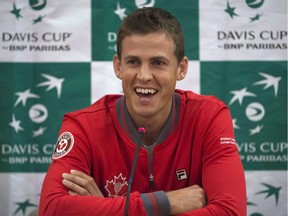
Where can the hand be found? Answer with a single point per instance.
(79, 183)
(186, 199)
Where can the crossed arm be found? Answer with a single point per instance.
(181, 201)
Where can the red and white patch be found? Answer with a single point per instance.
(64, 145)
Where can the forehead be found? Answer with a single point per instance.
(148, 43)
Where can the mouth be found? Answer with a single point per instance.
(145, 92)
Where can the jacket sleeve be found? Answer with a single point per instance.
(55, 200)
(75, 153)
(223, 178)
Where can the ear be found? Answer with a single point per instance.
(116, 66)
(182, 69)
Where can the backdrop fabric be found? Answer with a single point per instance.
(56, 57)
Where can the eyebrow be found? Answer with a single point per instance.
(160, 57)
(131, 57)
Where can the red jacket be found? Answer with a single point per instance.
(196, 146)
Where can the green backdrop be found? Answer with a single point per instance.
(55, 57)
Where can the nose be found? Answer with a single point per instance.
(145, 73)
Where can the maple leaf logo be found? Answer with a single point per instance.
(117, 186)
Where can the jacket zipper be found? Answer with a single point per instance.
(150, 161)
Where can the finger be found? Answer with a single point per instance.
(76, 179)
(88, 182)
(82, 180)
(74, 182)
(79, 173)
(72, 193)
(75, 188)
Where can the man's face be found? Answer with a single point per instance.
(149, 70)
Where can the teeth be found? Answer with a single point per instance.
(145, 91)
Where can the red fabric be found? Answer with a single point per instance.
(103, 151)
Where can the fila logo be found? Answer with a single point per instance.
(181, 174)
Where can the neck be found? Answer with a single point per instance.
(152, 133)
(153, 126)
(157, 126)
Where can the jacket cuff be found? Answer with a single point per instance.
(156, 203)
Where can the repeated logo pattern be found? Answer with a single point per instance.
(38, 113)
(252, 4)
(251, 102)
(35, 6)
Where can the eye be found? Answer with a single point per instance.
(158, 63)
(132, 62)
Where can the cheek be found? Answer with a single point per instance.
(127, 76)
(168, 79)
(170, 83)
(127, 79)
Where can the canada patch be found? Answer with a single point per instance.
(117, 187)
(63, 146)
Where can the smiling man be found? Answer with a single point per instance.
(149, 70)
(186, 163)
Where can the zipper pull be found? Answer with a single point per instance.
(151, 178)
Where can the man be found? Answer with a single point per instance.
(188, 162)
